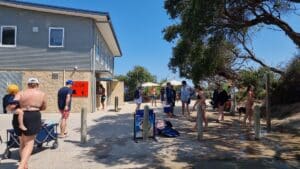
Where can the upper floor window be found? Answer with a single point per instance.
(56, 37)
(8, 36)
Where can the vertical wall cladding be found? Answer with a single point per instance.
(32, 49)
(7, 78)
(51, 86)
(104, 57)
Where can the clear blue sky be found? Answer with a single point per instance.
(139, 23)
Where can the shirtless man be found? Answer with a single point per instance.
(31, 101)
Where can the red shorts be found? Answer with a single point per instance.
(64, 114)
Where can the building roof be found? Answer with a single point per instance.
(102, 19)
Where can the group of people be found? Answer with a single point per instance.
(26, 106)
(220, 100)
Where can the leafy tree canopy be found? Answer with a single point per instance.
(212, 35)
(136, 77)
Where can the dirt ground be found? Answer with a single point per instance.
(225, 145)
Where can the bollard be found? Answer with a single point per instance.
(199, 122)
(146, 123)
(83, 130)
(116, 104)
(257, 122)
(268, 110)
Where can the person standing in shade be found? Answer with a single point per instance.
(102, 95)
(162, 95)
(201, 102)
(170, 101)
(222, 98)
(138, 97)
(153, 96)
(249, 105)
(174, 94)
(185, 94)
(64, 96)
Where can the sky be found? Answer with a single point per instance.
(139, 23)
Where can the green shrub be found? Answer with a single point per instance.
(287, 90)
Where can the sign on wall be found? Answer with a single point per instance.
(80, 89)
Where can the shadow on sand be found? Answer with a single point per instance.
(225, 145)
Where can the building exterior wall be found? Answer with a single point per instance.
(117, 90)
(51, 87)
(83, 44)
(104, 58)
(32, 51)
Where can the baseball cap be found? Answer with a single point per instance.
(69, 82)
(33, 80)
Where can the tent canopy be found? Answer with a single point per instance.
(149, 84)
(173, 82)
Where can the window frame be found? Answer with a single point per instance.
(63, 37)
(15, 29)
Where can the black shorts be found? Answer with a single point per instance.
(103, 98)
(32, 121)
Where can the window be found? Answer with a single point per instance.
(8, 36)
(56, 37)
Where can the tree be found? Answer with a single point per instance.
(287, 89)
(213, 35)
(136, 77)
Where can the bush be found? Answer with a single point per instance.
(287, 90)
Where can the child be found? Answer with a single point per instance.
(12, 90)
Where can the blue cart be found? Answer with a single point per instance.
(47, 134)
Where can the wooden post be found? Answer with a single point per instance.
(146, 123)
(257, 122)
(116, 104)
(83, 130)
(233, 101)
(199, 122)
(268, 110)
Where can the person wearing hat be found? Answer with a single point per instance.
(9, 100)
(12, 90)
(64, 98)
(31, 101)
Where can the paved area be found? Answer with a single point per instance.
(226, 145)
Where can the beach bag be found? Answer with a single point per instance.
(168, 131)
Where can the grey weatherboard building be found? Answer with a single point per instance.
(57, 41)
